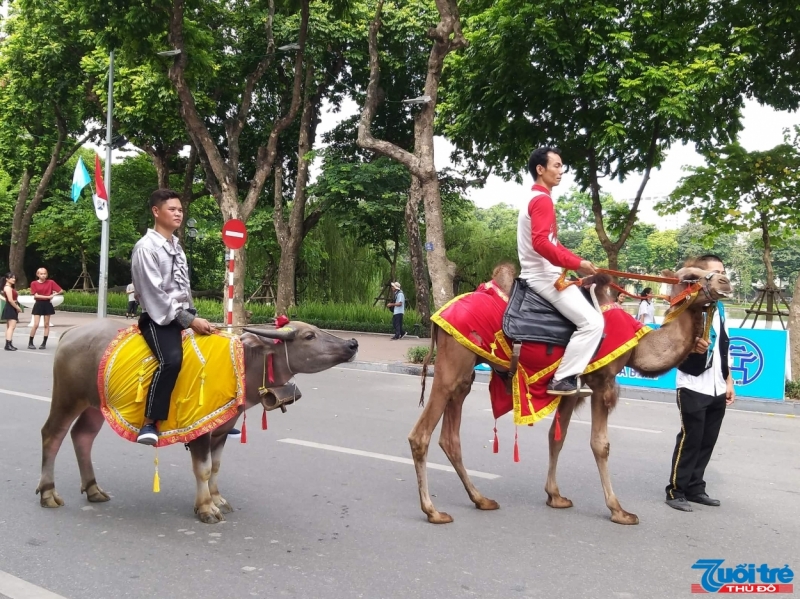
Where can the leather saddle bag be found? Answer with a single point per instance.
(530, 317)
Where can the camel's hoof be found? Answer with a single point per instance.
(558, 502)
(624, 517)
(210, 515)
(95, 494)
(440, 518)
(487, 504)
(51, 499)
(223, 505)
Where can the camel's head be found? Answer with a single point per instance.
(712, 285)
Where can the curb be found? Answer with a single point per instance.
(789, 408)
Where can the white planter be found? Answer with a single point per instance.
(28, 301)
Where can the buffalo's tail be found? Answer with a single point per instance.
(427, 361)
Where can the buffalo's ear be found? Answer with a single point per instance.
(286, 333)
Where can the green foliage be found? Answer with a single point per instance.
(417, 353)
(793, 389)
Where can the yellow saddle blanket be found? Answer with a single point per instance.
(209, 390)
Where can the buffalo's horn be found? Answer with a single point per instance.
(286, 333)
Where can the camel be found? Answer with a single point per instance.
(656, 353)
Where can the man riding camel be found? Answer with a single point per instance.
(542, 259)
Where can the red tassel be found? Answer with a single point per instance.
(516, 446)
(557, 433)
(264, 420)
(270, 374)
(244, 428)
(496, 446)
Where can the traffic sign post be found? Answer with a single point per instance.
(234, 236)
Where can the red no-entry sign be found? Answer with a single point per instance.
(234, 234)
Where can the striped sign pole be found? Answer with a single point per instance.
(234, 236)
(229, 316)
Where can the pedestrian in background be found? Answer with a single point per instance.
(647, 311)
(12, 308)
(133, 305)
(398, 309)
(43, 291)
(705, 390)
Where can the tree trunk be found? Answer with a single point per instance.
(16, 254)
(416, 254)
(613, 257)
(770, 282)
(287, 267)
(84, 271)
(441, 269)
(794, 331)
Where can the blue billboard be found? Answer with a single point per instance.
(758, 365)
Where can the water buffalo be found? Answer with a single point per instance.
(305, 349)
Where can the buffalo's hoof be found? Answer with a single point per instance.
(50, 498)
(558, 502)
(440, 518)
(222, 504)
(95, 494)
(487, 504)
(623, 517)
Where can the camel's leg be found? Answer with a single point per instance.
(217, 445)
(204, 507)
(601, 448)
(565, 409)
(83, 433)
(53, 433)
(450, 442)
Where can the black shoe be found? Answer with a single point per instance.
(10, 347)
(394, 339)
(234, 432)
(680, 504)
(703, 499)
(43, 346)
(566, 386)
(403, 335)
(148, 435)
(31, 345)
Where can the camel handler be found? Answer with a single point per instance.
(542, 258)
(161, 277)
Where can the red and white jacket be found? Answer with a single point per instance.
(541, 256)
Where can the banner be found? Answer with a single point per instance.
(758, 365)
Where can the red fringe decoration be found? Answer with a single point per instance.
(496, 446)
(557, 433)
(244, 428)
(270, 374)
(264, 420)
(516, 446)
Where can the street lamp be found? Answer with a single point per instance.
(169, 52)
(420, 100)
(191, 231)
(289, 47)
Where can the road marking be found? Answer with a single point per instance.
(383, 456)
(16, 588)
(28, 395)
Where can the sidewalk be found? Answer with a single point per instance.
(379, 353)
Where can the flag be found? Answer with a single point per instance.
(80, 179)
(100, 196)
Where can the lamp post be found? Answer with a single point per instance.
(191, 231)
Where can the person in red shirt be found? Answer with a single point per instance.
(43, 290)
(542, 259)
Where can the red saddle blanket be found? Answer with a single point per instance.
(475, 321)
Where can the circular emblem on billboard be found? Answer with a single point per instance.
(747, 360)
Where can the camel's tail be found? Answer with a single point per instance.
(426, 362)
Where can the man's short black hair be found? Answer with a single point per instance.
(539, 157)
(159, 196)
(706, 258)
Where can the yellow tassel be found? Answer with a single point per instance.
(140, 388)
(202, 385)
(156, 481)
(493, 346)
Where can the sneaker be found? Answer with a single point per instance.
(394, 338)
(148, 435)
(680, 504)
(234, 432)
(403, 335)
(566, 386)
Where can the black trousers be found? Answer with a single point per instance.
(701, 419)
(166, 345)
(397, 323)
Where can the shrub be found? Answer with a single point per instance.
(793, 389)
(417, 353)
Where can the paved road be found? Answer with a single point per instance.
(311, 522)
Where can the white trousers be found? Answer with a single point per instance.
(585, 340)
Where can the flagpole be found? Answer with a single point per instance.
(102, 292)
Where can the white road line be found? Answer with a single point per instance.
(16, 588)
(383, 456)
(28, 395)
